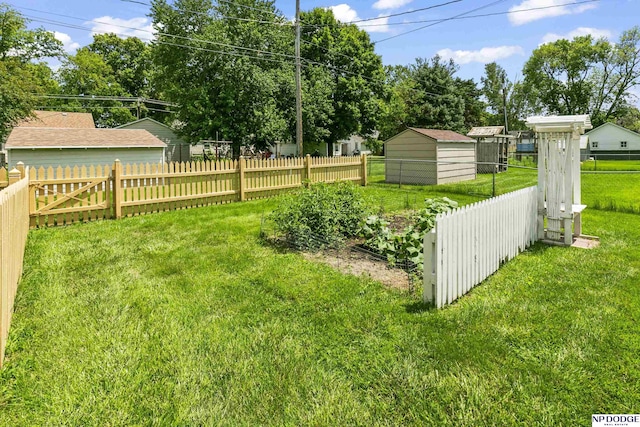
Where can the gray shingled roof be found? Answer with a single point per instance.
(80, 138)
(443, 135)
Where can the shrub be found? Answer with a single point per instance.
(320, 214)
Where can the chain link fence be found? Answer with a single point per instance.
(611, 183)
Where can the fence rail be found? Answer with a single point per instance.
(468, 245)
(14, 226)
(80, 194)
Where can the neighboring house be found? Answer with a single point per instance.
(177, 149)
(610, 141)
(429, 156)
(58, 119)
(585, 148)
(492, 147)
(354, 145)
(46, 147)
(53, 119)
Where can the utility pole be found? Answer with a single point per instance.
(504, 104)
(298, 85)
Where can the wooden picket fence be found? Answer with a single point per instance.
(14, 226)
(80, 194)
(469, 244)
(4, 177)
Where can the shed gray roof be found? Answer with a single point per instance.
(441, 135)
(81, 138)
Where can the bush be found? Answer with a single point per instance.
(320, 214)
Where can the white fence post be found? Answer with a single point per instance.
(430, 267)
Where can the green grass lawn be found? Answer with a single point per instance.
(185, 318)
(604, 190)
(611, 165)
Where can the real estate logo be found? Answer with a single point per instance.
(615, 420)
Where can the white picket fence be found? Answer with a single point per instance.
(468, 244)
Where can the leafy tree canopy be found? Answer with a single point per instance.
(20, 77)
(584, 76)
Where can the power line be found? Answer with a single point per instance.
(108, 98)
(199, 12)
(307, 61)
(248, 7)
(95, 107)
(159, 42)
(440, 21)
(44, 20)
(484, 15)
(408, 12)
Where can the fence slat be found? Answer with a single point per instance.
(470, 243)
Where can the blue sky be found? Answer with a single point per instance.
(507, 39)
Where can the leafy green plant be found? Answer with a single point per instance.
(406, 245)
(320, 214)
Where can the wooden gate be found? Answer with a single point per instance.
(64, 196)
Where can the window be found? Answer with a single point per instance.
(594, 144)
(623, 144)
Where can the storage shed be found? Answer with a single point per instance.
(429, 156)
(46, 147)
(177, 149)
(492, 148)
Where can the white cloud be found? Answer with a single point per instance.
(521, 18)
(68, 45)
(344, 13)
(136, 27)
(390, 4)
(581, 31)
(484, 55)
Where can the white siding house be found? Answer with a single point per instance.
(46, 147)
(177, 149)
(615, 142)
(429, 156)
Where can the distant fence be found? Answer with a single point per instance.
(14, 226)
(468, 245)
(80, 194)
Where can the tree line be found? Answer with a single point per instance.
(228, 68)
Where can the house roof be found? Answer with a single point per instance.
(59, 119)
(486, 131)
(614, 125)
(584, 142)
(144, 119)
(81, 138)
(443, 135)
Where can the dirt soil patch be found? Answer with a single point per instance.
(350, 261)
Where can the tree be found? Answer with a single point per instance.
(427, 94)
(501, 94)
(235, 92)
(20, 77)
(129, 59)
(342, 59)
(584, 76)
(87, 73)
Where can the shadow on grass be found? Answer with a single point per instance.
(419, 307)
